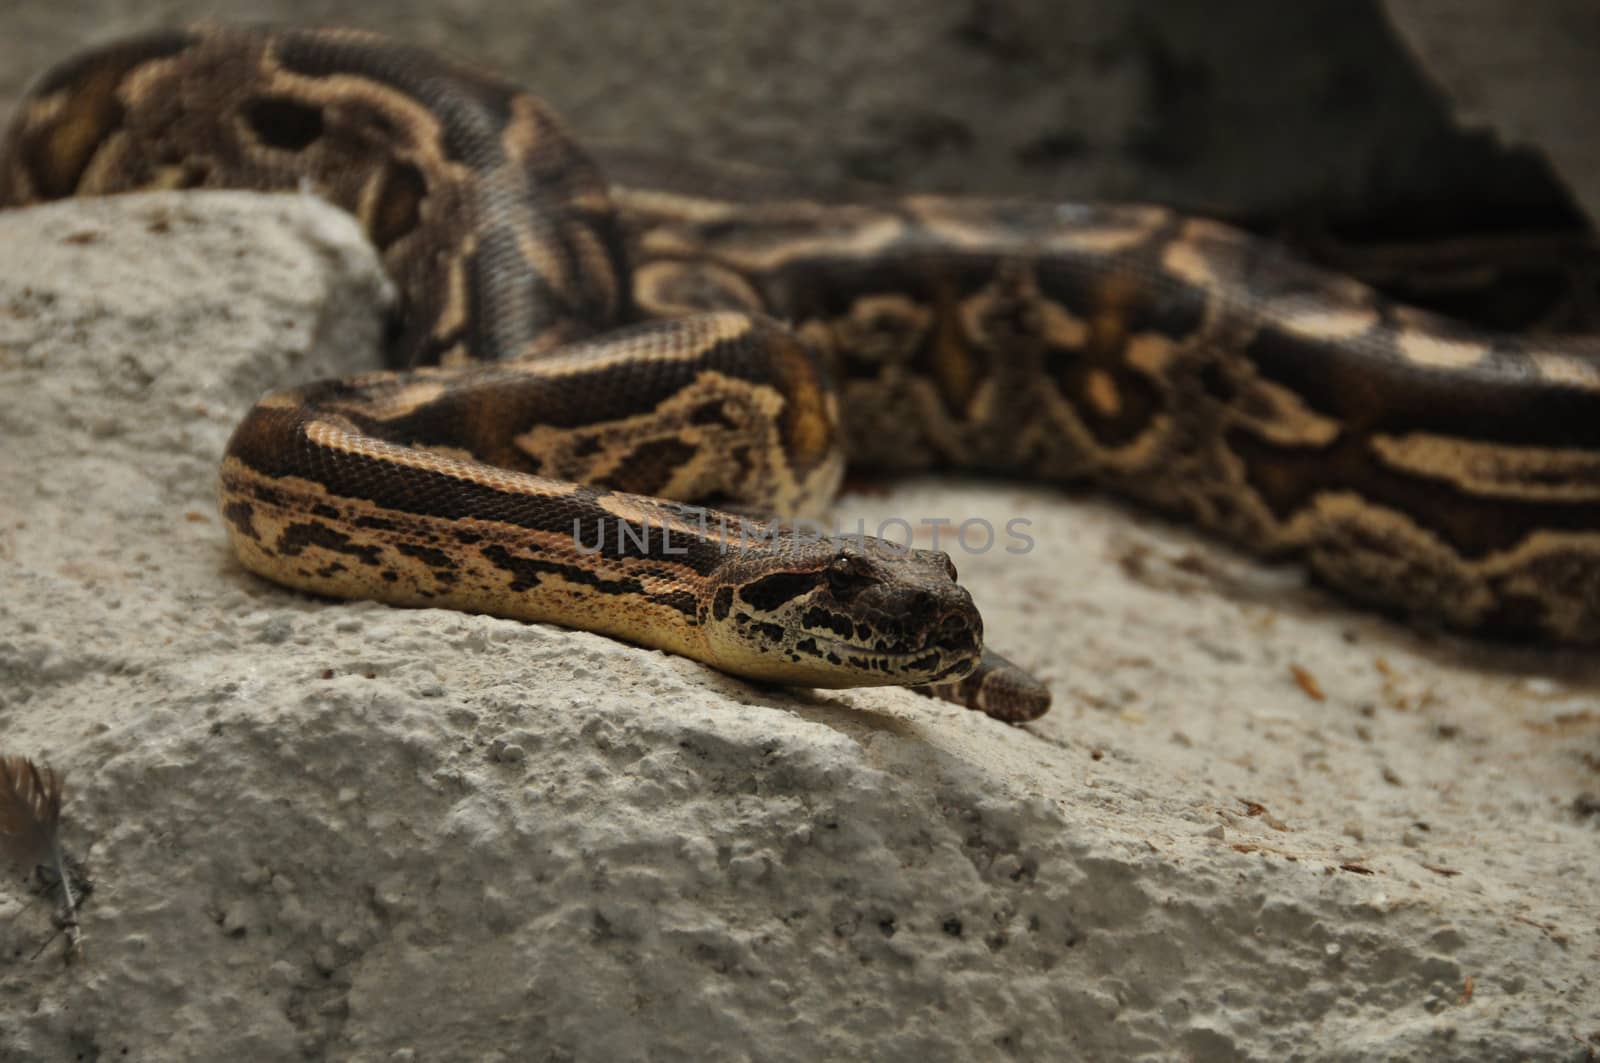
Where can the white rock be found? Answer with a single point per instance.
(527, 841)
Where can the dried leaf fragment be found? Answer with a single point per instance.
(1307, 683)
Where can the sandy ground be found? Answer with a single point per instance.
(1257, 823)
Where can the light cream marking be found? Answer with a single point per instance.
(560, 448)
(546, 262)
(640, 509)
(531, 127)
(1436, 352)
(480, 586)
(1089, 230)
(653, 283)
(1569, 606)
(1328, 322)
(1207, 231)
(1184, 259)
(670, 241)
(1059, 326)
(1288, 421)
(1462, 591)
(410, 393)
(326, 432)
(844, 232)
(770, 481)
(596, 268)
(41, 111)
(1072, 449)
(1337, 528)
(1496, 470)
(453, 310)
(1561, 367)
(1205, 254)
(1014, 285)
(674, 205)
(106, 171)
(1101, 390)
(1151, 352)
(882, 328)
(595, 202)
(698, 333)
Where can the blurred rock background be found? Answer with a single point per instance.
(1443, 148)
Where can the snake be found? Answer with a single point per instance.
(619, 382)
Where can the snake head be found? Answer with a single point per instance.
(842, 613)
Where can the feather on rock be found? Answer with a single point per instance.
(30, 812)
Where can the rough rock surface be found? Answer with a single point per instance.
(1256, 824)
(1532, 80)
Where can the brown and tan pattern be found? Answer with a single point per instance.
(586, 354)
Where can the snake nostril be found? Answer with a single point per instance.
(955, 627)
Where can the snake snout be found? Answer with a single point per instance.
(956, 626)
(961, 629)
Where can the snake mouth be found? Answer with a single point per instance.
(951, 649)
(929, 665)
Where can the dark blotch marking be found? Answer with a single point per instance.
(770, 632)
(389, 575)
(274, 443)
(769, 592)
(239, 514)
(683, 601)
(1369, 388)
(398, 209)
(322, 509)
(711, 413)
(1120, 306)
(650, 466)
(1288, 478)
(57, 154)
(817, 617)
(722, 604)
(375, 523)
(267, 496)
(296, 537)
(428, 555)
(282, 123)
(526, 573)
(472, 108)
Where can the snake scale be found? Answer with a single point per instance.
(586, 354)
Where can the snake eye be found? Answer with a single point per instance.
(847, 570)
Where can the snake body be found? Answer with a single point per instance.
(588, 353)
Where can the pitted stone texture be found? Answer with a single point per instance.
(336, 830)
